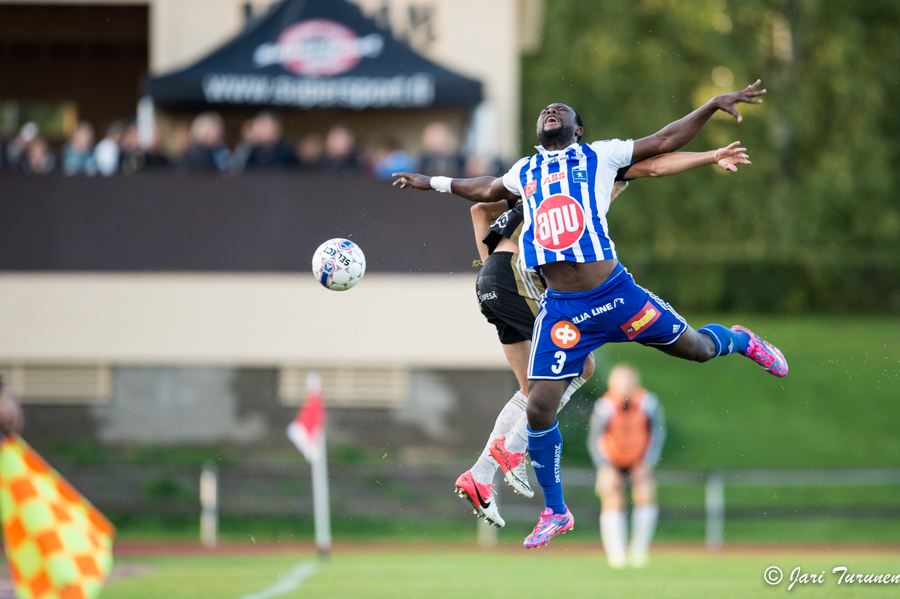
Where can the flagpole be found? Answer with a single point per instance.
(321, 508)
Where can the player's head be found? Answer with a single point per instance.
(558, 124)
(623, 380)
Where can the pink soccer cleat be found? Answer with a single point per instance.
(548, 527)
(513, 467)
(764, 353)
(481, 497)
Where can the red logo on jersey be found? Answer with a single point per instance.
(558, 223)
(530, 189)
(565, 334)
(641, 321)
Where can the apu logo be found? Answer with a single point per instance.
(565, 334)
(318, 47)
(530, 189)
(559, 222)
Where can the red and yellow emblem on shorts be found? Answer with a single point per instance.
(641, 321)
(565, 334)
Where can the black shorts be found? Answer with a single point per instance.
(501, 300)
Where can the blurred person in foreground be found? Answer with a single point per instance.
(440, 151)
(310, 150)
(11, 418)
(509, 296)
(591, 298)
(269, 150)
(392, 159)
(625, 439)
(78, 153)
(340, 152)
(208, 151)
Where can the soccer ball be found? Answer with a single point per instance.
(338, 264)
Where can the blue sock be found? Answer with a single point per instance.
(726, 340)
(545, 449)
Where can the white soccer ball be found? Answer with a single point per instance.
(338, 264)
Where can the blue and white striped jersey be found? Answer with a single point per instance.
(566, 197)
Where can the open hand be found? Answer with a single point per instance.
(728, 102)
(731, 156)
(412, 180)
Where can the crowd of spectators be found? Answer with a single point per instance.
(202, 147)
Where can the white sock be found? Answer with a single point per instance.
(613, 532)
(514, 410)
(517, 438)
(643, 525)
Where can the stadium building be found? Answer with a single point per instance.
(178, 308)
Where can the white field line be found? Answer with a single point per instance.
(287, 583)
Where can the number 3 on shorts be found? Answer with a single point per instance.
(560, 362)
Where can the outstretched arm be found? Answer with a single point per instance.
(675, 135)
(678, 162)
(480, 189)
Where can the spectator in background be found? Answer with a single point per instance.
(392, 159)
(243, 150)
(310, 149)
(340, 152)
(441, 151)
(16, 150)
(39, 158)
(208, 151)
(106, 152)
(481, 166)
(78, 153)
(270, 150)
(134, 158)
(11, 418)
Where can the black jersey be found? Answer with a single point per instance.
(529, 285)
(508, 225)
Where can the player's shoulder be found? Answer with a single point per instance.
(604, 405)
(650, 401)
(521, 162)
(608, 145)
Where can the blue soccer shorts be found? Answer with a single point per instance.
(569, 326)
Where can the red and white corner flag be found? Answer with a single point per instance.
(307, 429)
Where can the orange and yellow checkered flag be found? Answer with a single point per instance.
(58, 545)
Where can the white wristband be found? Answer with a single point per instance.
(441, 184)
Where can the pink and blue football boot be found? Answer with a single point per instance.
(764, 353)
(548, 527)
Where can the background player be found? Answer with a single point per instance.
(508, 295)
(625, 439)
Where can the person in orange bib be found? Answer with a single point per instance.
(625, 439)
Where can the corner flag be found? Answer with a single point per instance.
(308, 428)
(307, 431)
(58, 545)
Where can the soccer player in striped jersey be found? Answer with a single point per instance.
(591, 299)
(509, 294)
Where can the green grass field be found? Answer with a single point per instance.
(460, 571)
